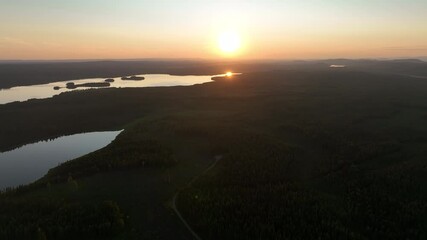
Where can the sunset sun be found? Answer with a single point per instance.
(213, 119)
(229, 42)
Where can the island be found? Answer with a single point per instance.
(134, 78)
(70, 85)
(56, 88)
(109, 80)
(93, 84)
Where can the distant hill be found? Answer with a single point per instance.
(21, 73)
(414, 67)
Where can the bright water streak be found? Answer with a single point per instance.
(46, 90)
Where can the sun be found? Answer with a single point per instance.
(229, 42)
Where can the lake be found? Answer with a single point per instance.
(30, 162)
(41, 91)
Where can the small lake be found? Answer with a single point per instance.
(28, 163)
(41, 91)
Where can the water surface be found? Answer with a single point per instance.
(47, 90)
(31, 162)
(337, 66)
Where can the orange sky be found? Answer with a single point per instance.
(288, 29)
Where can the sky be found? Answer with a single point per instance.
(267, 29)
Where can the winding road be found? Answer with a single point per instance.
(175, 209)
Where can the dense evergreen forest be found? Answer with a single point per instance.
(307, 154)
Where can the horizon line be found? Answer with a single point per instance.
(421, 58)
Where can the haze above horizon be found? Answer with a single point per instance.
(238, 29)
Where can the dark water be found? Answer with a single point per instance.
(30, 162)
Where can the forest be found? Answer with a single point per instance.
(326, 154)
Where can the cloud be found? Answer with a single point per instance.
(404, 49)
(7, 41)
